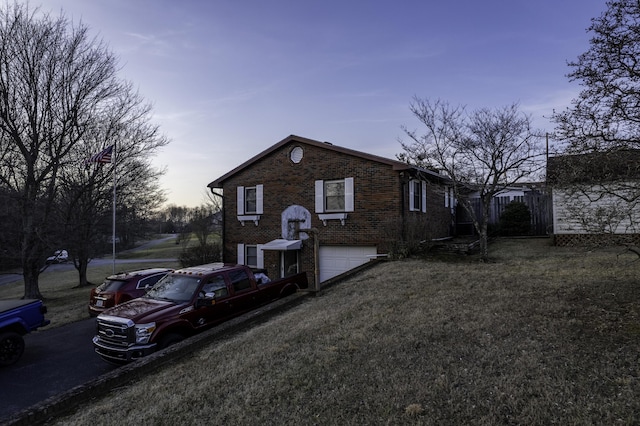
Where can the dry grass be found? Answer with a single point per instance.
(543, 335)
(65, 301)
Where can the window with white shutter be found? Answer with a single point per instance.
(250, 203)
(334, 199)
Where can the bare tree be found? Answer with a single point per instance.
(606, 114)
(484, 151)
(86, 196)
(54, 81)
(602, 125)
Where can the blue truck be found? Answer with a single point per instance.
(17, 318)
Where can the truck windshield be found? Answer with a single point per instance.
(177, 288)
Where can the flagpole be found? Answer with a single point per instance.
(113, 227)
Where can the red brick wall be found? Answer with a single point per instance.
(378, 197)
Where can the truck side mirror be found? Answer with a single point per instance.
(205, 299)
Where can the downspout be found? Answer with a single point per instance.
(316, 256)
(403, 195)
(222, 224)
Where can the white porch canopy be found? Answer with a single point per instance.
(282, 244)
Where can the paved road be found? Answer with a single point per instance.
(10, 278)
(54, 361)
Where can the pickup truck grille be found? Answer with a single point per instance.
(115, 331)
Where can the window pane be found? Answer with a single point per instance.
(239, 280)
(217, 286)
(250, 200)
(334, 195)
(251, 256)
(417, 196)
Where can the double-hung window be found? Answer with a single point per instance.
(251, 255)
(249, 203)
(334, 195)
(418, 196)
(334, 199)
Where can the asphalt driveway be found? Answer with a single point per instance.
(54, 361)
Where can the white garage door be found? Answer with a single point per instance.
(335, 260)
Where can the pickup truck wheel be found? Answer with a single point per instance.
(11, 348)
(169, 340)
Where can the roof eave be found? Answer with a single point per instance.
(396, 165)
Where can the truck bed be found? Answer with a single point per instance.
(7, 305)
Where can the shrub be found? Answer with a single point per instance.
(200, 254)
(515, 219)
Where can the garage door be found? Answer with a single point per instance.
(334, 260)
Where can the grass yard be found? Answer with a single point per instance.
(66, 302)
(543, 335)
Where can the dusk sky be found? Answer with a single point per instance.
(229, 78)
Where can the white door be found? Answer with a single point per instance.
(334, 260)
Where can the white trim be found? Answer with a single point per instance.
(281, 244)
(240, 200)
(348, 195)
(259, 199)
(319, 185)
(260, 256)
(332, 216)
(423, 198)
(240, 254)
(249, 218)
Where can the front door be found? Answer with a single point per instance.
(289, 263)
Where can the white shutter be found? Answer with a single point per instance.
(423, 198)
(260, 256)
(259, 198)
(241, 200)
(240, 254)
(348, 195)
(411, 193)
(319, 196)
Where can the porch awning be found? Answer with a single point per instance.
(282, 244)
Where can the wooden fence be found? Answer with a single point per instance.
(538, 201)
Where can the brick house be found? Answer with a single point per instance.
(354, 207)
(595, 197)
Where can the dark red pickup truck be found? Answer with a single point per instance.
(184, 303)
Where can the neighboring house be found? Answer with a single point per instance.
(595, 197)
(354, 207)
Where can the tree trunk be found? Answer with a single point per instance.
(484, 243)
(82, 272)
(81, 263)
(484, 227)
(31, 256)
(30, 273)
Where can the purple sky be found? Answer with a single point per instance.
(229, 78)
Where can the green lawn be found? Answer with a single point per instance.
(66, 302)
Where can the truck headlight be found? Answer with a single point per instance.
(144, 332)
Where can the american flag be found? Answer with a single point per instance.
(103, 156)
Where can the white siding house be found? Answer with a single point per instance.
(595, 197)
